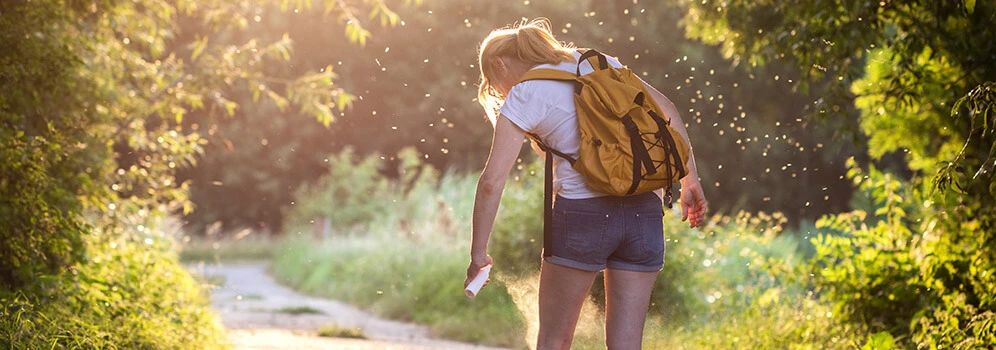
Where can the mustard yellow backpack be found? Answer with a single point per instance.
(627, 147)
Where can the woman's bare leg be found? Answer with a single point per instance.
(562, 292)
(627, 297)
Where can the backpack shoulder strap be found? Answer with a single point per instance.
(593, 56)
(548, 74)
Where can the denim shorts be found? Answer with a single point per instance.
(623, 233)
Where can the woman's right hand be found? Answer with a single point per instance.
(476, 264)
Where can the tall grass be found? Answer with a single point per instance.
(396, 277)
(722, 285)
(207, 250)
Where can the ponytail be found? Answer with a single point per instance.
(536, 44)
(532, 42)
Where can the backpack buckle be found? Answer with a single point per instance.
(631, 127)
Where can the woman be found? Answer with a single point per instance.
(592, 232)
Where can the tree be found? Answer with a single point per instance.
(42, 166)
(921, 76)
(96, 127)
(93, 100)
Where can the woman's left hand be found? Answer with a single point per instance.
(693, 202)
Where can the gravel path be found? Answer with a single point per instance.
(254, 308)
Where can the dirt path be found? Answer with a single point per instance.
(260, 314)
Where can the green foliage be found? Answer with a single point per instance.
(778, 319)
(40, 234)
(871, 268)
(979, 106)
(907, 269)
(892, 123)
(41, 159)
(352, 194)
(196, 68)
(206, 250)
(724, 266)
(397, 277)
(128, 294)
(71, 276)
(258, 157)
(918, 262)
(829, 41)
(409, 96)
(93, 104)
(880, 340)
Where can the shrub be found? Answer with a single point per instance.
(355, 197)
(41, 231)
(721, 267)
(348, 195)
(907, 267)
(128, 294)
(42, 177)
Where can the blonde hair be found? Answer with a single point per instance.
(532, 42)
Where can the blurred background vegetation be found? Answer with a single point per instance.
(422, 96)
(347, 131)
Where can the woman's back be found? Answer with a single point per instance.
(546, 109)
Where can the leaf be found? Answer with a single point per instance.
(195, 101)
(331, 5)
(970, 6)
(178, 114)
(230, 107)
(322, 113)
(880, 341)
(284, 47)
(804, 86)
(280, 101)
(357, 34)
(386, 15)
(198, 47)
(343, 100)
(769, 297)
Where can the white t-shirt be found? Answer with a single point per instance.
(546, 108)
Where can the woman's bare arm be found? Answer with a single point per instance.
(693, 202)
